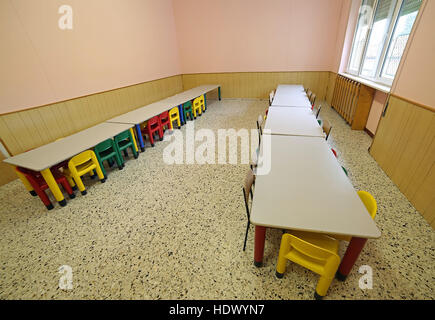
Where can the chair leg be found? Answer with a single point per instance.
(80, 185)
(102, 166)
(67, 188)
(322, 286)
(246, 235)
(282, 261)
(43, 196)
(126, 153)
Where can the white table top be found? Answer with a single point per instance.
(291, 96)
(146, 112)
(307, 190)
(53, 153)
(293, 122)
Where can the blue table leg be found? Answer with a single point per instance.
(180, 111)
(219, 93)
(139, 136)
(205, 101)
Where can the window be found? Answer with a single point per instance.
(381, 34)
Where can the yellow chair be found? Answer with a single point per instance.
(197, 107)
(174, 114)
(371, 206)
(316, 252)
(79, 165)
(201, 100)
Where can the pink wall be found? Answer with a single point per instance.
(114, 43)
(352, 14)
(415, 77)
(258, 35)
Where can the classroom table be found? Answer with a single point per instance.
(291, 96)
(46, 156)
(307, 190)
(293, 122)
(144, 113)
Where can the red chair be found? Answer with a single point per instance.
(152, 126)
(39, 185)
(164, 121)
(334, 152)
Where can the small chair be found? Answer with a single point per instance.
(316, 111)
(271, 96)
(39, 185)
(326, 126)
(174, 115)
(259, 128)
(313, 100)
(309, 93)
(164, 121)
(334, 152)
(247, 190)
(197, 107)
(152, 126)
(316, 252)
(122, 142)
(181, 114)
(187, 110)
(79, 165)
(202, 101)
(107, 151)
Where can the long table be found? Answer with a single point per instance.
(291, 96)
(46, 156)
(307, 190)
(144, 113)
(293, 122)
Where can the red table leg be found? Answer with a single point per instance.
(353, 250)
(260, 237)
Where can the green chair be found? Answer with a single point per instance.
(187, 110)
(123, 141)
(107, 151)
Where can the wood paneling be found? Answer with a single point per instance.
(404, 147)
(258, 84)
(31, 128)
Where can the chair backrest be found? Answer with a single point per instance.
(153, 120)
(164, 115)
(174, 111)
(313, 99)
(309, 93)
(271, 95)
(201, 99)
(122, 136)
(103, 146)
(260, 124)
(187, 104)
(309, 255)
(326, 128)
(369, 202)
(247, 189)
(196, 102)
(318, 111)
(30, 174)
(81, 158)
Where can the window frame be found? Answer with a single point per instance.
(387, 40)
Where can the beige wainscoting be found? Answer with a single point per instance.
(404, 147)
(258, 84)
(31, 128)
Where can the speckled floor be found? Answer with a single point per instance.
(157, 231)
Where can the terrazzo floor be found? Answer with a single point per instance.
(158, 231)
